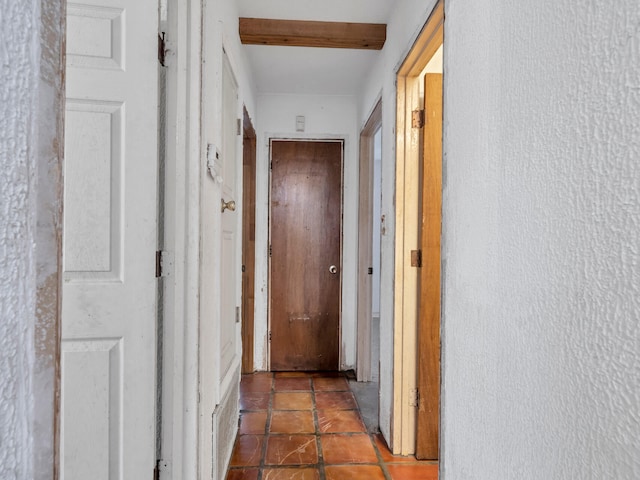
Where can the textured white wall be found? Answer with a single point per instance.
(326, 117)
(19, 57)
(541, 345)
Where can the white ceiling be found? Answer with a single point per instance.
(304, 70)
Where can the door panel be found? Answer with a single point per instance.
(248, 241)
(429, 310)
(219, 348)
(230, 266)
(110, 237)
(306, 212)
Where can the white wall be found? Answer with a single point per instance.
(541, 229)
(541, 280)
(19, 56)
(326, 117)
(407, 20)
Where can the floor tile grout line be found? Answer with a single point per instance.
(267, 425)
(316, 420)
(382, 463)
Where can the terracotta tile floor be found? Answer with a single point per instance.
(306, 426)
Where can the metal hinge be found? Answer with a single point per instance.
(414, 397)
(269, 335)
(270, 250)
(164, 263)
(237, 314)
(239, 132)
(370, 270)
(416, 258)
(162, 48)
(417, 119)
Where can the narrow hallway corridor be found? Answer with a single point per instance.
(307, 426)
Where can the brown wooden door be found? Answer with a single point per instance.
(429, 310)
(248, 240)
(306, 212)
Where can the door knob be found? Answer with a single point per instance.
(333, 269)
(230, 205)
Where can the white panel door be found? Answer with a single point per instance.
(220, 270)
(230, 265)
(110, 237)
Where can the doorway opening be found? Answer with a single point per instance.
(305, 255)
(248, 240)
(418, 232)
(369, 232)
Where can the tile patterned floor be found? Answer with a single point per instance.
(306, 426)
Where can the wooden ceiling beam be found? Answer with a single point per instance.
(304, 33)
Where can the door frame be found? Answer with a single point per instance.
(248, 254)
(179, 390)
(408, 198)
(365, 243)
(305, 138)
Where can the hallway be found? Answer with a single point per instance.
(307, 426)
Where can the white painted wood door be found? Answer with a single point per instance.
(220, 269)
(110, 236)
(230, 265)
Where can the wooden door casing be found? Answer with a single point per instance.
(306, 237)
(429, 310)
(248, 241)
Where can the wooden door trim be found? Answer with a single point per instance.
(406, 278)
(365, 243)
(248, 241)
(301, 138)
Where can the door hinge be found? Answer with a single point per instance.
(156, 471)
(237, 314)
(269, 335)
(417, 119)
(162, 49)
(158, 263)
(370, 271)
(414, 397)
(270, 250)
(239, 132)
(416, 258)
(164, 263)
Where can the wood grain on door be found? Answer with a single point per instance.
(429, 309)
(306, 217)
